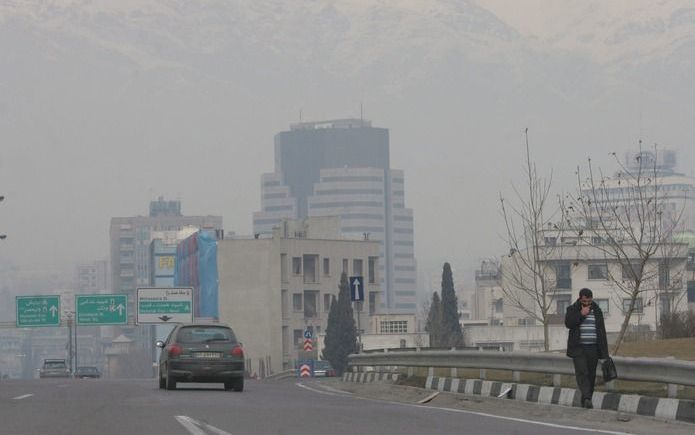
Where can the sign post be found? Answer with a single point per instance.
(357, 296)
(38, 311)
(101, 309)
(165, 305)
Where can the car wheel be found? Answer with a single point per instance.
(170, 382)
(162, 382)
(238, 384)
(228, 385)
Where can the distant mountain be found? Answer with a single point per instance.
(147, 95)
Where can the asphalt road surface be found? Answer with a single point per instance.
(72, 407)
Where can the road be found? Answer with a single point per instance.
(72, 407)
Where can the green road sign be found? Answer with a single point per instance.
(101, 309)
(38, 311)
(165, 305)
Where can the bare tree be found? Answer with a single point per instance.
(528, 280)
(628, 220)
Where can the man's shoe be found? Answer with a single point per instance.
(587, 404)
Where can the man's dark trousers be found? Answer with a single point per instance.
(585, 369)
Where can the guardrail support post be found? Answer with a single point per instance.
(483, 373)
(454, 371)
(516, 376)
(557, 380)
(411, 372)
(430, 371)
(671, 389)
(610, 385)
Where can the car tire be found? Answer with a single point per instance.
(162, 382)
(238, 385)
(170, 382)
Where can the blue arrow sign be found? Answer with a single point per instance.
(357, 288)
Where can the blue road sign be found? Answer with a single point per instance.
(308, 334)
(357, 288)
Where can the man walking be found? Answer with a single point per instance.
(586, 342)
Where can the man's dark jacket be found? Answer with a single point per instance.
(574, 318)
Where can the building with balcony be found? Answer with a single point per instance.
(572, 262)
(272, 289)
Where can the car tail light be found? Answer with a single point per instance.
(237, 351)
(174, 350)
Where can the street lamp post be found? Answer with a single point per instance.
(2, 236)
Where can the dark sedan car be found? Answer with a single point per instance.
(201, 353)
(87, 372)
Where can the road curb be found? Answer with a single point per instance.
(366, 377)
(668, 409)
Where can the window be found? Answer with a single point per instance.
(357, 267)
(345, 266)
(298, 337)
(326, 266)
(372, 303)
(284, 302)
(297, 265)
(372, 269)
(327, 297)
(664, 304)
(562, 302)
(664, 275)
(297, 302)
(393, 326)
(311, 268)
(631, 271)
(499, 305)
(596, 241)
(638, 305)
(283, 267)
(603, 305)
(598, 271)
(550, 241)
(310, 303)
(691, 291)
(562, 275)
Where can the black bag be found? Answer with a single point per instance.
(609, 370)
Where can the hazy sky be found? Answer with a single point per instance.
(106, 105)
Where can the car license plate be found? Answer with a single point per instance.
(207, 354)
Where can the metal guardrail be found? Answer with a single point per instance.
(664, 370)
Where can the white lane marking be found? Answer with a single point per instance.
(187, 422)
(22, 397)
(306, 387)
(482, 414)
(195, 427)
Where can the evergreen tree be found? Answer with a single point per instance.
(341, 332)
(434, 321)
(451, 333)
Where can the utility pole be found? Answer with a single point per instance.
(69, 316)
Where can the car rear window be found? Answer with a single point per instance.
(205, 334)
(54, 365)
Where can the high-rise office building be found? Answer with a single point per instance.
(341, 168)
